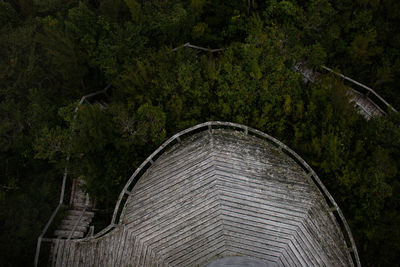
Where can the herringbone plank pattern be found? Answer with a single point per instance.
(218, 194)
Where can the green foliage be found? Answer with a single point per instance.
(52, 144)
(65, 63)
(8, 15)
(362, 49)
(197, 6)
(26, 7)
(166, 22)
(47, 6)
(120, 46)
(53, 52)
(81, 24)
(135, 9)
(112, 10)
(199, 30)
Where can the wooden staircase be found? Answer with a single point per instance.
(80, 213)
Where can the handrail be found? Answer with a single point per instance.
(77, 222)
(197, 47)
(361, 85)
(208, 125)
(65, 174)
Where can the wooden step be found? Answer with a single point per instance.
(65, 234)
(84, 218)
(78, 213)
(69, 225)
(79, 206)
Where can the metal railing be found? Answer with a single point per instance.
(119, 212)
(65, 175)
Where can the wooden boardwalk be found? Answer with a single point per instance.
(364, 104)
(217, 194)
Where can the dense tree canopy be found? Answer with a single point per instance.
(54, 52)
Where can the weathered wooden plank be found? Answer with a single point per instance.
(188, 153)
(77, 254)
(220, 193)
(176, 218)
(206, 249)
(176, 174)
(167, 195)
(66, 254)
(91, 247)
(169, 208)
(70, 261)
(132, 255)
(248, 251)
(168, 189)
(121, 247)
(110, 245)
(60, 252)
(117, 245)
(66, 233)
(54, 252)
(177, 236)
(286, 193)
(189, 244)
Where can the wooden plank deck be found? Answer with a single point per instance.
(214, 195)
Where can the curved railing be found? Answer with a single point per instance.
(118, 211)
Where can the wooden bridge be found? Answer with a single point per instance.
(216, 191)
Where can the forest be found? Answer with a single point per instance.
(52, 52)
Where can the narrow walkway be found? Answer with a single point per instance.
(81, 206)
(364, 104)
